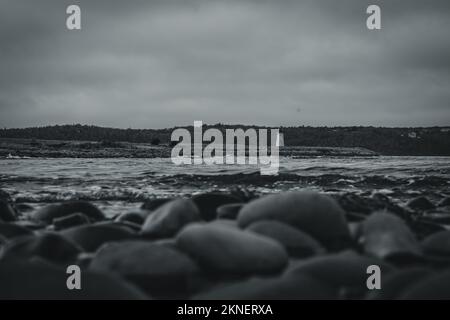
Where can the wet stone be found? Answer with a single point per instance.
(34, 280)
(346, 271)
(75, 219)
(386, 236)
(445, 202)
(7, 213)
(434, 287)
(228, 250)
(11, 230)
(280, 288)
(91, 237)
(170, 218)
(297, 243)
(209, 202)
(53, 211)
(160, 270)
(50, 246)
(134, 217)
(437, 244)
(421, 204)
(397, 282)
(316, 214)
(229, 211)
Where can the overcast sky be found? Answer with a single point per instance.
(156, 64)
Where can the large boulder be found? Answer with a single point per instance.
(228, 250)
(314, 213)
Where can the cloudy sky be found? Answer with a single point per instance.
(155, 64)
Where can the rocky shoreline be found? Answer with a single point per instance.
(292, 245)
(32, 148)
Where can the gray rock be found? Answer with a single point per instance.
(420, 203)
(297, 243)
(346, 271)
(434, 287)
(50, 246)
(134, 217)
(169, 218)
(437, 244)
(209, 202)
(160, 270)
(397, 282)
(316, 214)
(7, 213)
(228, 250)
(75, 219)
(280, 288)
(229, 211)
(386, 236)
(52, 211)
(25, 280)
(444, 202)
(11, 230)
(91, 237)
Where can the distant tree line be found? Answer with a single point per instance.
(387, 141)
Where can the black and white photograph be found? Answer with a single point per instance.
(212, 150)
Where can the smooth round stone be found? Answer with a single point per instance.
(420, 203)
(397, 282)
(228, 250)
(91, 237)
(314, 213)
(297, 243)
(209, 202)
(160, 270)
(386, 236)
(33, 280)
(12, 230)
(170, 218)
(50, 246)
(437, 244)
(346, 271)
(434, 287)
(229, 211)
(133, 217)
(280, 288)
(52, 211)
(75, 219)
(7, 213)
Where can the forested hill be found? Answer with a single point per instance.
(386, 141)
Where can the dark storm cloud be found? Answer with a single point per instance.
(164, 63)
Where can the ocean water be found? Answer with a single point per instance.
(116, 185)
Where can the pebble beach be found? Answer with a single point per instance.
(216, 245)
